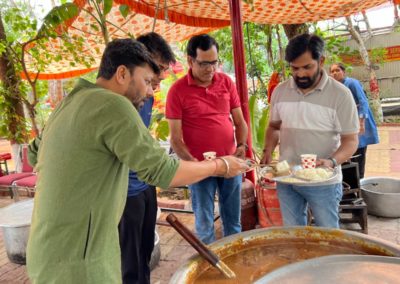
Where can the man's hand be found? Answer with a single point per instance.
(266, 157)
(362, 130)
(362, 126)
(230, 166)
(325, 163)
(240, 151)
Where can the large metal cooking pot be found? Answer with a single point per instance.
(337, 269)
(233, 244)
(382, 195)
(15, 220)
(156, 253)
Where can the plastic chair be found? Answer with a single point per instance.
(27, 183)
(3, 163)
(7, 181)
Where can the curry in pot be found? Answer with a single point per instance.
(253, 262)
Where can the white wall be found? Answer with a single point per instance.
(388, 73)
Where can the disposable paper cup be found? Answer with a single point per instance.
(308, 161)
(209, 155)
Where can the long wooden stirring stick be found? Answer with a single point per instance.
(201, 248)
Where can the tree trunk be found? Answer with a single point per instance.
(295, 29)
(281, 52)
(32, 116)
(14, 114)
(365, 17)
(376, 106)
(268, 31)
(31, 106)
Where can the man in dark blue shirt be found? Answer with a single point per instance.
(137, 225)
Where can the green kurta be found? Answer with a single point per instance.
(88, 144)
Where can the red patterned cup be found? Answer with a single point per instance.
(308, 161)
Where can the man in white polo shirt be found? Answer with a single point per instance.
(311, 113)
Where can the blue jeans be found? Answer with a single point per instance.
(323, 200)
(203, 194)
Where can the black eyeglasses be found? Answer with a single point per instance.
(206, 64)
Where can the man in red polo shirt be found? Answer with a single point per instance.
(204, 114)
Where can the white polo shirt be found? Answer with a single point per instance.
(312, 123)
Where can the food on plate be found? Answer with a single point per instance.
(282, 168)
(267, 172)
(291, 180)
(276, 169)
(317, 174)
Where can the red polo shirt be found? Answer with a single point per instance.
(205, 114)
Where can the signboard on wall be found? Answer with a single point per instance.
(392, 53)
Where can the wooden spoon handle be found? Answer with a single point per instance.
(209, 255)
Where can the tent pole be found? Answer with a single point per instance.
(240, 69)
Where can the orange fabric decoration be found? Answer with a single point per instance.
(177, 20)
(273, 82)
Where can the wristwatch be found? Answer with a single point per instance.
(334, 162)
(242, 144)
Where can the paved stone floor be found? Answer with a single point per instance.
(382, 160)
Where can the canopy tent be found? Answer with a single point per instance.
(177, 20)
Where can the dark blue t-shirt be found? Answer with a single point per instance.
(136, 186)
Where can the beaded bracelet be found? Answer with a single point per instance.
(226, 164)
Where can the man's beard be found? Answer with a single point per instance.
(307, 82)
(137, 100)
(138, 104)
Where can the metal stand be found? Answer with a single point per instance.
(352, 208)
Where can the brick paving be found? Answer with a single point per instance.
(382, 160)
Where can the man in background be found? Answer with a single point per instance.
(137, 225)
(200, 109)
(368, 132)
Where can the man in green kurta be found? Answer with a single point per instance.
(89, 142)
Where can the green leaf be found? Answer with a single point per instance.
(162, 130)
(262, 126)
(57, 16)
(124, 9)
(2, 48)
(259, 120)
(107, 6)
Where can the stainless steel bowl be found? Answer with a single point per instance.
(382, 195)
(337, 269)
(15, 221)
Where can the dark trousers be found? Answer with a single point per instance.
(136, 236)
(362, 152)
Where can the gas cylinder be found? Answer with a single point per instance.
(248, 206)
(269, 210)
